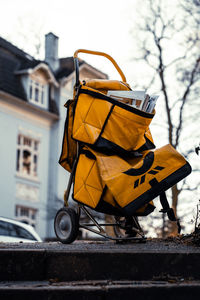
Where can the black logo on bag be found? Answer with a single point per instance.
(144, 169)
(154, 171)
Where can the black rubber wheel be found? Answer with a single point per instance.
(66, 225)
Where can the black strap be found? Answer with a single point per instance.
(88, 154)
(167, 209)
(165, 206)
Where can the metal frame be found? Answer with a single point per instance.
(76, 63)
(102, 231)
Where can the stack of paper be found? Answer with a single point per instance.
(137, 99)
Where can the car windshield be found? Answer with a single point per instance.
(13, 230)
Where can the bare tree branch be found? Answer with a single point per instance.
(185, 99)
(184, 66)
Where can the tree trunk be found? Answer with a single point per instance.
(172, 228)
(175, 193)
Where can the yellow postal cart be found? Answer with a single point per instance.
(115, 169)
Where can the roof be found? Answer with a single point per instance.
(67, 67)
(9, 82)
(15, 50)
(12, 60)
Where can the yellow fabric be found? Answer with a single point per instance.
(111, 171)
(104, 85)
(124, 180)
(148, 133)
(69, 147)
(123, 128)
(88, 185)
(126, 129)
(108, 197)
(90, 116)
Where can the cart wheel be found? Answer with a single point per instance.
(66, 225)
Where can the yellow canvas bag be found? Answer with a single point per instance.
(91, 190)
(69, 146)
(105, 182)
(137, 181)
(108, 124)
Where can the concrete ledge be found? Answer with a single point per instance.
(104, 261)
(100, 290)
(22, 265)
(121, 266)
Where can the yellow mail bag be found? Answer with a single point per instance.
(108, 124)
(119, 186)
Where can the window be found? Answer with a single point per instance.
(37, 92)
(13, 230)
(27, 156)
(26, 215)
(4, 228)
(24, 234)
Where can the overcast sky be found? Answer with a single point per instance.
(97, 25)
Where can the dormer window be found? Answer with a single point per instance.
(37, 93)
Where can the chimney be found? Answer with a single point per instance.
(51, 50)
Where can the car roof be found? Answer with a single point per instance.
(14, 222)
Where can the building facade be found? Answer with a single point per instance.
(32, 115)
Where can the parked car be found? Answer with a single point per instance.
(12, 231)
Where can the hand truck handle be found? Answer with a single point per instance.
(76, 63)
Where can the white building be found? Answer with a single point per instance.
(32, 115)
